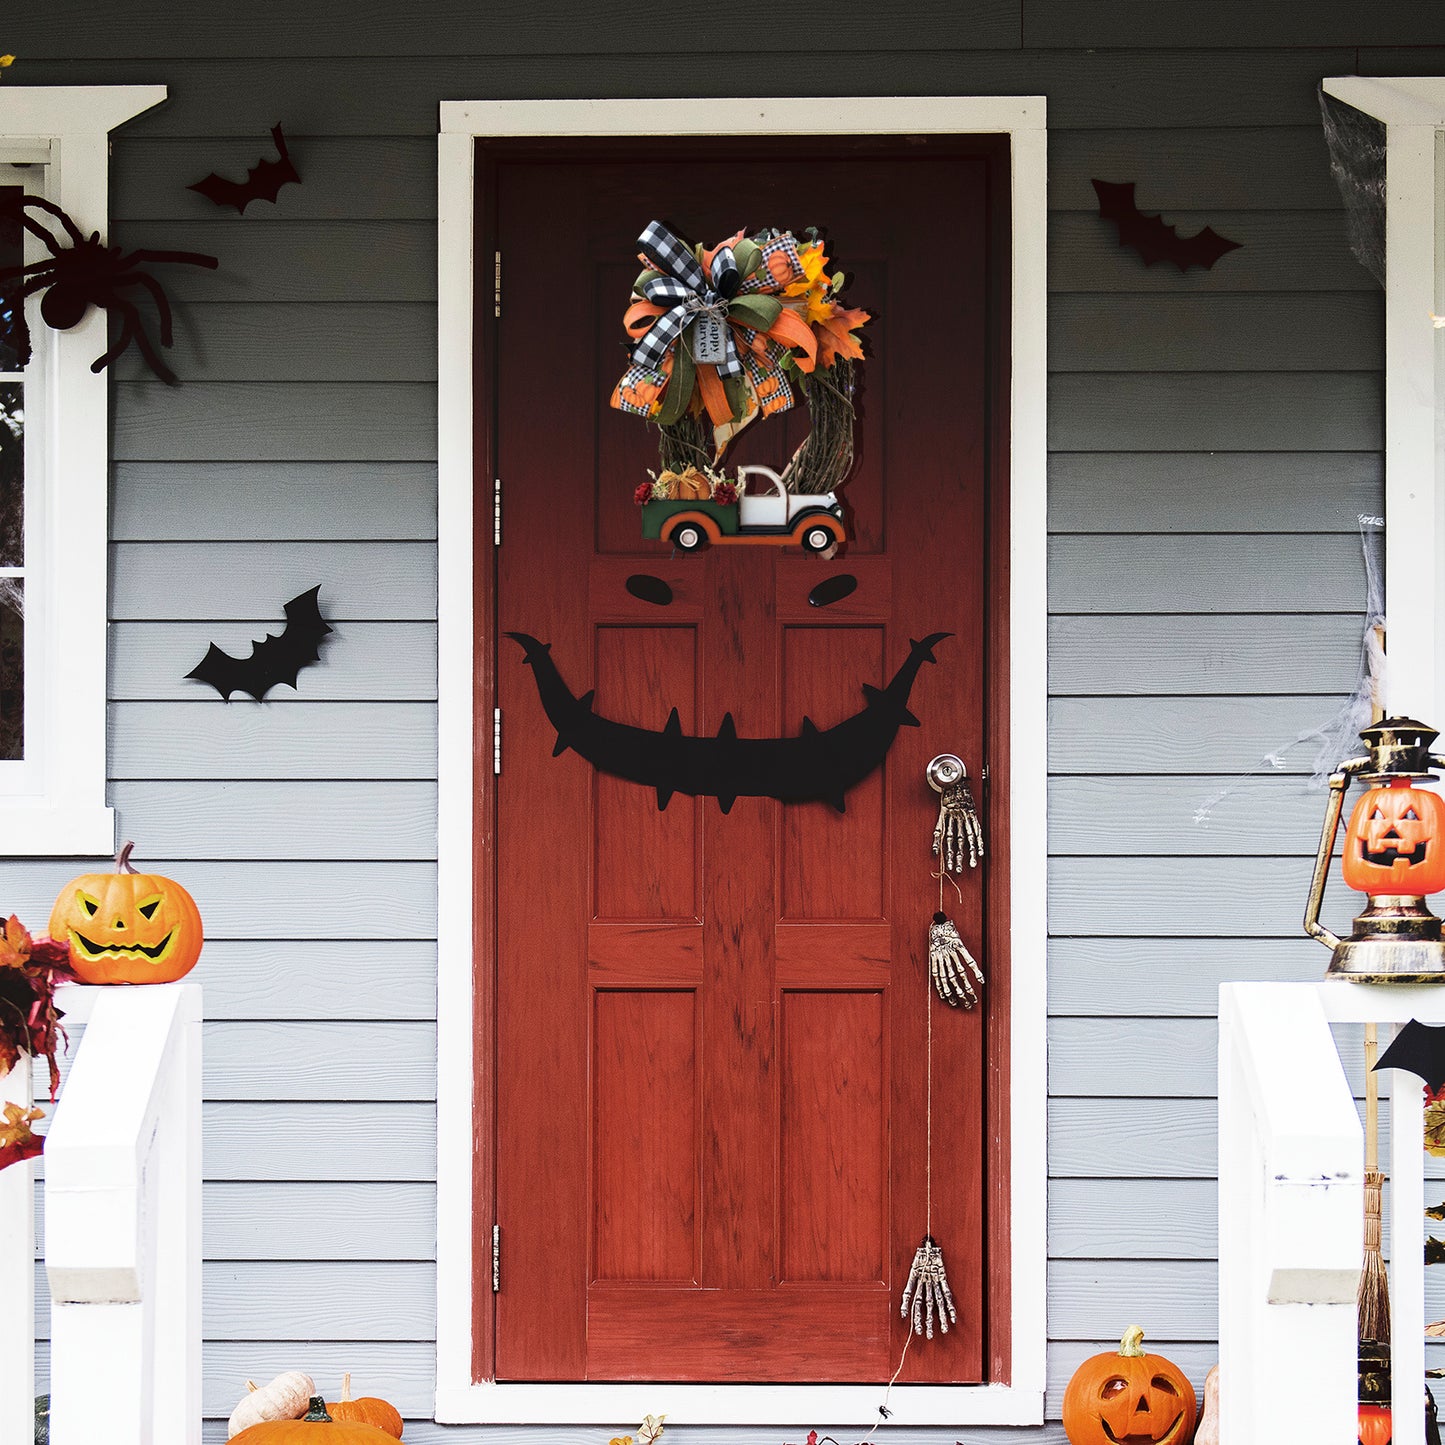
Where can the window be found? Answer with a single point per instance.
(54, 143)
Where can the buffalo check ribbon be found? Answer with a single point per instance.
(691, 295)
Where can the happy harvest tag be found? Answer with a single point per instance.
(709, 340)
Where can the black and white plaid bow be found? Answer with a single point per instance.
(689, 293)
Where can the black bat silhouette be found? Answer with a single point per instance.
(1418, 1049)
(816, 766)
(262, 182)
(1151, 238)
(273, 660)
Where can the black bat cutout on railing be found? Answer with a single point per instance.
(819, 765)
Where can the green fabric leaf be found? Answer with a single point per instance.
(684, 378)
(759, 312)
(736, 389)
(747, 254)
(643, 277)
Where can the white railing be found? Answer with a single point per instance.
(123, 1222)
(1291, 1211)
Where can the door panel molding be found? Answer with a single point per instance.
(465, 1028)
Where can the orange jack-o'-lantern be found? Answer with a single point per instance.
(1375, 1428)
(127, 927)
(1395, 842)
(1130, 1396)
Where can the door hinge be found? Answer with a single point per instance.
(497, 742)
(497, 285)
(496, 1259)
(496, 511)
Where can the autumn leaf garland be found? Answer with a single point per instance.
(29, 1021)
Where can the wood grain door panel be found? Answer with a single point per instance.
(710, 1027)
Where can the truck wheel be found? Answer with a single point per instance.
(689, 537)
(818, 539)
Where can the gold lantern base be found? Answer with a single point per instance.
(1396, 940)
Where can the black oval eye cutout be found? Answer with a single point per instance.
(833, 589)
(647, 588)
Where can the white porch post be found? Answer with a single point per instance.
(1291, 1202)
(123, 1225)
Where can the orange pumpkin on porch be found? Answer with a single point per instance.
(1129, 1396)
(1395, 842)
(315, 1427)
(127, 927)
(368, 1409)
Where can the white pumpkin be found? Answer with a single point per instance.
(287, 1397)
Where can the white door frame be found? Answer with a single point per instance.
(460, 1399)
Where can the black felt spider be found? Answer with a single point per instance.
(83, 274)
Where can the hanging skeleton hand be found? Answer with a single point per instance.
(928, 1288)
(958, 834)
(950, 963)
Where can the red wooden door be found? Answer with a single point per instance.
(710, 1027)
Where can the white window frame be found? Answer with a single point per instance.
(53, 802)
(460, 1399)
(1413, 110)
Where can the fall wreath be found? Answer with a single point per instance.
(722, 336)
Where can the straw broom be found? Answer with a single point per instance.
(1374, 1295)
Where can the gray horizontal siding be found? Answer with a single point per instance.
(394, 94)
(168, 501)
(389, 581)
(242, 739)
(362, 661)
(1258, 572)
(1229, 493)
(309, 1221)
(1214, 437)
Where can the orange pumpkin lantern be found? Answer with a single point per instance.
(127, 927)
(1374, 1425)
(1395, 842)
(1129, 1396)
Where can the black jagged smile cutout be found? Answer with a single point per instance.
(96, 950)
(1391, 852)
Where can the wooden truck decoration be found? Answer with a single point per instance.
(694, 510)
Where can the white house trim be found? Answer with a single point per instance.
(1413, 111)
(458, 1398)
(54, 801)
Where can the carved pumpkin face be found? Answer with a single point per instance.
(1395, 842)
(1129, 1397)
(127, 927)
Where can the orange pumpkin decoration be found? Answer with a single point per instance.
(1395, 842)
(367, 1408)
(1375, 1425)
(1129, 1396)
(315, 1427)
(127, 927)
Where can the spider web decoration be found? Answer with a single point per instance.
(87, 273)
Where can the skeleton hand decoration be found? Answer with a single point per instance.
(928, 1288)
(950, 963)
(958, 833)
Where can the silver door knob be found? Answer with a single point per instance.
(944, 771)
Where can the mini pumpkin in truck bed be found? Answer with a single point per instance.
(693, 510)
